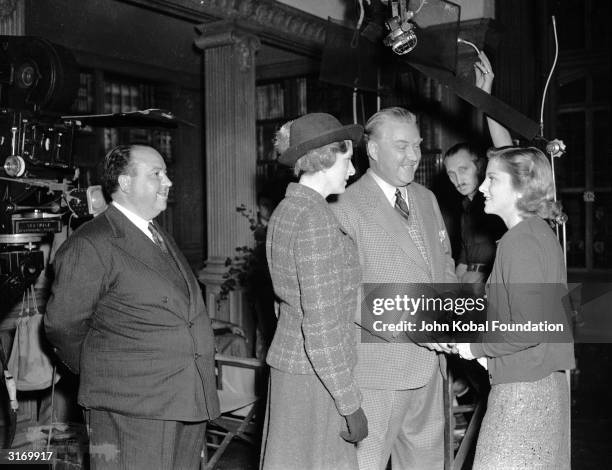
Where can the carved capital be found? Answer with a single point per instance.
(7, 7)
(224, 33)
(245, 48)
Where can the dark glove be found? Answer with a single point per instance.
(357, 425)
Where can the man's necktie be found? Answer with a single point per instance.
(400, 204)
(157, 238)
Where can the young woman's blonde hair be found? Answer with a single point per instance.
(531, 175)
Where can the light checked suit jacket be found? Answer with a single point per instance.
(388, 255)
(132, 321)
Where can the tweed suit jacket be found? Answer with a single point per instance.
(315, 272)
(388, 255)
(131, 320)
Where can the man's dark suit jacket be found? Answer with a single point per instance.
(131, 320)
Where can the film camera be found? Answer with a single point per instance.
(38, 175)
(38, 179)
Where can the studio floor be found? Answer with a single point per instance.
(590, 448)
(591, 419)
(591, 416)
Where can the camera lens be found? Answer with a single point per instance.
(30, 268)
(26, 76)
(14, 166)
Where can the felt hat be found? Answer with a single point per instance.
(315, 130)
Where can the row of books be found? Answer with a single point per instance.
(431, 159)
(162, 141)
(111, 138)
(428, 168)
(119, 97)
(284, 99)
(297, 105)
(431, 134)
(124, 97)
(84, 102)
(265, 141)
(270, 101)
(158, 139)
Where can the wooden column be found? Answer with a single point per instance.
(230, 149)
(12, 18)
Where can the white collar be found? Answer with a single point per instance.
(138, 221)
(388, 189)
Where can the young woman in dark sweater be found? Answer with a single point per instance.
(527, 420)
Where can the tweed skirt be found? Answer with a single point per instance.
(302, 427)
(526, 426)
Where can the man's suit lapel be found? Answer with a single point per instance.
(379, 211)
(185, 270)
(132, 242)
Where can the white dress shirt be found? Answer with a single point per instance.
(138, 221)
(388, 189)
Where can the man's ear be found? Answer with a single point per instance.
(124, 182)
(372, 149)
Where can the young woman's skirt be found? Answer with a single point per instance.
(526, 426)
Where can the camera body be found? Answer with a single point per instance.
(20, 265)
(34, 144)
(37, 172)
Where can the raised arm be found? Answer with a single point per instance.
(484, 80)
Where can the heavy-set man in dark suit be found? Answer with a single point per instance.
(401, 238)
(127, 314)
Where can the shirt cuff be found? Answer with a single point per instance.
(465, 351)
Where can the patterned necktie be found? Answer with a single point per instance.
(157, 238)
(400, 204)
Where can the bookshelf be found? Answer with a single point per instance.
(424, 97)
(122, 95)
(277, 102)
(105, 93)
(280, 100)
(85, 100)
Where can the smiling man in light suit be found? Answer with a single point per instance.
(127, 314)
(401, 238)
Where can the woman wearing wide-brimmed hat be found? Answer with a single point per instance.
(314, 416)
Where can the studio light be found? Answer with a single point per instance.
(402, 37)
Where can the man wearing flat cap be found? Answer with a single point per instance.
(401, 239)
